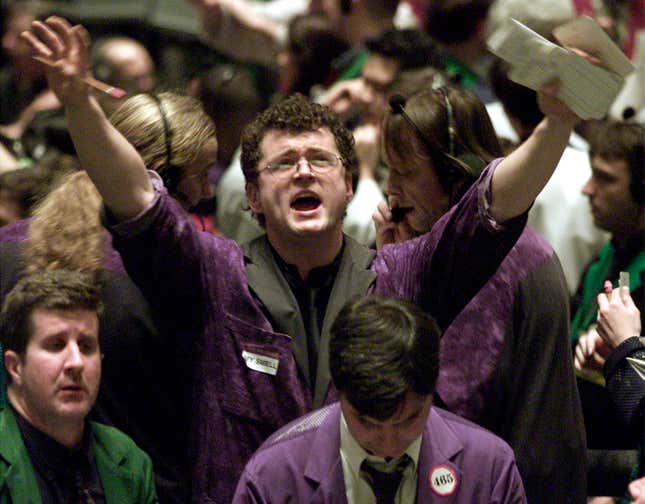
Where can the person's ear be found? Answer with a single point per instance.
(253, 197)
(13, 365)
(349, 191)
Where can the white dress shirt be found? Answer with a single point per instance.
(358, 490)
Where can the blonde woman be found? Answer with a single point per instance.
(147, 363)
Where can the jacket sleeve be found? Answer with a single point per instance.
(542, 417)
(249, 492)
(624, 376)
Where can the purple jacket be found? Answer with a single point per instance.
(301, 463)
(251, 377)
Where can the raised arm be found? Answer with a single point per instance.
(112, 163)
(521, 176)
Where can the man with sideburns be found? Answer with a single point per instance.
(49, 451)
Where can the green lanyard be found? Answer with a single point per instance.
(592, 285)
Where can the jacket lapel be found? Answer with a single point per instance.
(267, 282)
(353, 280)
(439, 446)
(19, 477)
(324, 469)
(118, 483)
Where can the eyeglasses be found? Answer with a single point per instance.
(319, 161)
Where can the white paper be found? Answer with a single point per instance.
(587, 89)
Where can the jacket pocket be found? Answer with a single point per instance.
(260, 380)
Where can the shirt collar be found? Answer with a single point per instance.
(316, 277)
(354, 453)
(49, 454)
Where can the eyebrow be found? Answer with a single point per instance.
(411, 416)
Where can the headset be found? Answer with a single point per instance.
(169, 173)
(467, 164)
(345, 6)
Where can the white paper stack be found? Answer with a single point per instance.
(587, 89)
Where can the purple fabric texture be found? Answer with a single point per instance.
(201, 281)
(301, 463)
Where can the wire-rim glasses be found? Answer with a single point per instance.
(319, 161)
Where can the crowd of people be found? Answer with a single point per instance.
(391, 275)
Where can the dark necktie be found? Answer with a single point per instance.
(384, 485)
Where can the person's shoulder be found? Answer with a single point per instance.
(301, 429)
(476, 439)
(116, 443)
(532, 246)
(295, 438)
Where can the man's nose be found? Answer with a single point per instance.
(74, 359)
(587, 189)
(388, 441)
(301, 165)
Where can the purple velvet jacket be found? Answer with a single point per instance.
(249, 336)
(506, 364)
(301, 463)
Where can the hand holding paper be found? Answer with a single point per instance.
(587, 89)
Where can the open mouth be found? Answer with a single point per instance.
(305, 203)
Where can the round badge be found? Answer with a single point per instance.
(443, 480)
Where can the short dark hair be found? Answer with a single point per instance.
(380, 349)
(453, 21)
(26, 186)
(520, 102)
(48, 290)
(622, 141)
(411, 48)
(314, 44)
(296, 114)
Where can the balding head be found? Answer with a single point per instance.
(124, 62)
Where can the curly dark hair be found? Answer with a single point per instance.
(296, 114)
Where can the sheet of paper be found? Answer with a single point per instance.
(587, 89)
(584, 33)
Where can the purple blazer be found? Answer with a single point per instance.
(301, 463)
(251, 376)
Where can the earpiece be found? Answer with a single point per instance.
(345, 6)
(169, 173)
(468, 164)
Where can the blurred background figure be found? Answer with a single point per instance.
(125, 63)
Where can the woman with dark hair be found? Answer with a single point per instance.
(437, 143)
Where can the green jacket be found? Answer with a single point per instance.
(124, 469)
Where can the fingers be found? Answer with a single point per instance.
(590, 57)
(603, 303)
(81, 44)
(551, 87)
(50, 38)
(608, 287)
(626, 298)
(63, 30)
(383, 209)
(37, 47)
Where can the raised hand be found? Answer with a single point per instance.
(552, 107)
(66, 49)
(618, 317)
